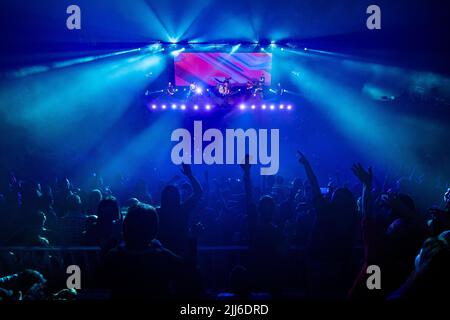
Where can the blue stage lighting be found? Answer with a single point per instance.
(235, 48)
(163, 106)
(289, 107)
(174, 106)
(242, 106)
(281, 106)
(272, 107)
(176, 53)
(263, 107)
(208, 107)
(153, 106)
(183, 107)
(253, 107)
(196, 107)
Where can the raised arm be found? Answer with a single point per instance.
(317, 195)
(247, 181)
(366, 178)
(197, 189)
(250, 206)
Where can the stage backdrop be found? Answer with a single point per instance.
(206, 67)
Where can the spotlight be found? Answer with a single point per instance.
(281, 106)
(208, 107)
(262, 49)
(253, 107)
(153, 106)
(242, 106)
(173, 40)
(196, 107)
(235, 48)
(198, 90)
(164, 106)
(176, 53)
(306, 49)
(272, 107)
(282, 49)
(263, 107)
(174, 106)
(273, 44)
(183, 107)
(289, 107)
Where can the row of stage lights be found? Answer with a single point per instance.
(262, 46)
(208, 107)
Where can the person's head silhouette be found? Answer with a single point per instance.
(170, 197)
(267, 208)
(108, 211)
(140, 226)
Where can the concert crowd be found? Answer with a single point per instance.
(281, 239)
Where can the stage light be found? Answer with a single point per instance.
(306, 49)
(184, 89)
(183, 107)
(242, 106)
(207, 90)
(163, 106)
(272, 107)
(262, 49)
(196, 107)
(208, 107)
(289, 107)
(235, 48)
(198, 90)
(273, 44)
(176, 53)
(253, 107)
(153, 106)
(281, 106)
(173, 40)
(174, 106)
(282, 49)
(263, 107)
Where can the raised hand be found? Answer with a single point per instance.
(186, 170)
(366, 177)
(246, 165)
(301, 158)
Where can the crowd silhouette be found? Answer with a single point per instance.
(298, 240)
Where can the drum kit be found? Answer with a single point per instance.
(224, 92)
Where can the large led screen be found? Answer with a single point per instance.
(210, 68)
